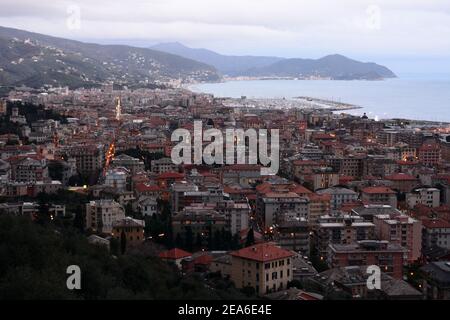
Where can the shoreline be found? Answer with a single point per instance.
(330, 105)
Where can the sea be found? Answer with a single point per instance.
(410, 96)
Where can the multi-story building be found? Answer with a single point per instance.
(402, 182)
(133, 230)
(323, 178)
(343, 231)
(348, 166)
(319, 205)
(378, 166)
(293, 234)
(236, 214)
(29, 170)
(379, 195)
(429, 197)
(101, 214)
(388, 137)
(387, 256)
(339, 196)
(437, 283)
(117, 179)
(264, 267)
(402, 230)
(430, 154)
(163, 165)
(198, 219)
(368, 211)
(89, 158)
(275, 204)
(435, 233)
(147, 206)
(132, 164)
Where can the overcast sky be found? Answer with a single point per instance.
(405, 35)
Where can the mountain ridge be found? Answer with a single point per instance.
(35, 59)
(333, 66)
(227, 64)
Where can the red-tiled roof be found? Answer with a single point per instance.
(376, 190)
(400, 177)
(170, 175)
(435, 223)
(174, 254)
(319, 197)
(143, 187)
(263, 252)
(204, 259)
(299, 189)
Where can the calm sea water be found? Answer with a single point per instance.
(421, 97)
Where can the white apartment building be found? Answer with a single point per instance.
(101, 214)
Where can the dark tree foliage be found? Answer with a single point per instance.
(34, 260)
(79, 219)
(123, 243)
(33, 112)
(250, 238)
(189, 239)
(55, 170)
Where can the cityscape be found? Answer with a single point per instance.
(95, 206)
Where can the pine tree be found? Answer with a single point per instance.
(250, 238)
(123, 242)
(235, 242)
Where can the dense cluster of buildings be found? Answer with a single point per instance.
(351, 191)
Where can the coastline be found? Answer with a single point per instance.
(331, 104)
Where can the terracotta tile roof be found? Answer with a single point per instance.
(143, 187)
(170, 175)
(319, 197)
(400, 177)
(174, 254)
(204, 259)
(435, 223)
(263, 252)
(377, 190)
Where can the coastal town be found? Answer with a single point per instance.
(351, 192)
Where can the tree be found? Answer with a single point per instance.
(123, 242)
(179, 241)
(235, 242)
(250, 238)
(217, 243)
(226, 239)
(114, 246)
(210, 240)
(199, 241)
(189, 239)
(248, 291)
(78, 221)
(129, 209)
(43, 215)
